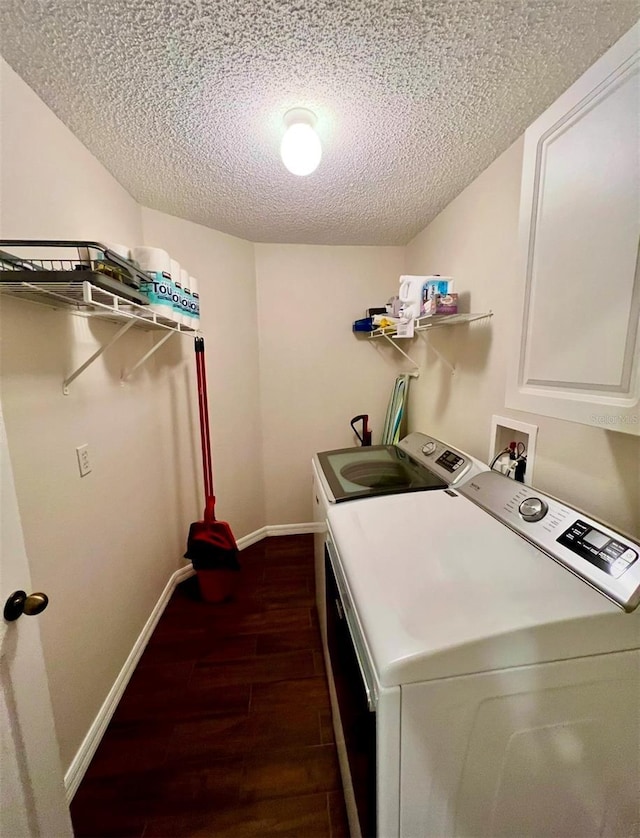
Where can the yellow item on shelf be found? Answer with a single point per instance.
(382, 321)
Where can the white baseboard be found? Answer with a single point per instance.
(87, 749)
(252, 538)
(278, 529)
(83, 757)
(295, 529)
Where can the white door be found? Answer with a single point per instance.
(32, 796)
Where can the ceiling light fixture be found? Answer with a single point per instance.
(300, 148)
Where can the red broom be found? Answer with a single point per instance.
(210, 545)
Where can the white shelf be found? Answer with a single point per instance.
(432, 321)
(421, 326)
(88, 300)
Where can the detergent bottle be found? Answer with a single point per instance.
(410, 296)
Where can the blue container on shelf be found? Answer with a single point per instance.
(364, 325)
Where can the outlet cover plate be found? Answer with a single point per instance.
(84, 464)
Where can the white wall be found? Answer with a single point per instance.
(475, 240)
(315, 373)
(51, 183)
(224, 267)
(103, 547)
(89, 550)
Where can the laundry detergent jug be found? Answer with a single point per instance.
(410, 296)
(416, 290)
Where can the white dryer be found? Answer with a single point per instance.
(486, 669)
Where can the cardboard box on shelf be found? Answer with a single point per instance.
(446, 304)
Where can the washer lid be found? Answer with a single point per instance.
(374, 470)
(440, 588)
(416, 464)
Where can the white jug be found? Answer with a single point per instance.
(410, 295)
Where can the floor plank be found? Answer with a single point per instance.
(225, 727)
(293, 817)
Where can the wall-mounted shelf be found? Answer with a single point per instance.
(422, 326)
(433, 321)
(87, 300)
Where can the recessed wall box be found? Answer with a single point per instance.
(505, 430)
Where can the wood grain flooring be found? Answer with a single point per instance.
(225, 727)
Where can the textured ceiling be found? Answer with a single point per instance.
(182, 100)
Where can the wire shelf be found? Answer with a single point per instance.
(94, 283)
(433, 321)
(50, 256)
(423, 325)
(88, 300)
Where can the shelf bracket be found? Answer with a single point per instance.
(415, 372)
(65, 385)
(146, 356)
(439, 354)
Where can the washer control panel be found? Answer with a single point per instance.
(533, 509)
(450, 460)
(605, 559)
(610, 555)
(448, 463)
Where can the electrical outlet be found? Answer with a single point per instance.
(84, 464)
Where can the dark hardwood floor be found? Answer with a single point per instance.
(225, 727)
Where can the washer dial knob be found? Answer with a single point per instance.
(533, 509)
(429, 448)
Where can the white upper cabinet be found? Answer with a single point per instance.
(577, 348)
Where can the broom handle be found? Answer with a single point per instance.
(206, 434)
(203, 441)
(204, 419)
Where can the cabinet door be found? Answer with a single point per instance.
(576, 351)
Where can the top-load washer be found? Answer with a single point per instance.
(418, 463)
(486, 672)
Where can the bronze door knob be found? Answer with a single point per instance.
(19, 603)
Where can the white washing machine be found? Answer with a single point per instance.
(485, 669)
(418, 463)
